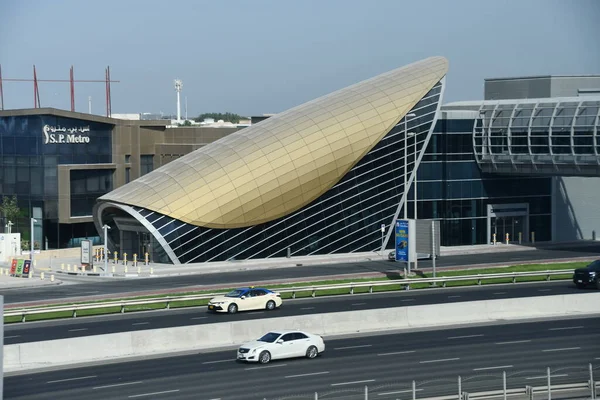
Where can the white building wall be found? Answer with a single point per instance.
(575, 209)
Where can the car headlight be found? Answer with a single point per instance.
(217, 303)
(593, 274)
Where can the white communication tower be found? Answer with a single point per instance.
(178, 87)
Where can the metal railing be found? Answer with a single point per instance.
(313, 289)
(513, 385)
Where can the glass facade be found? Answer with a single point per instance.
(31, 149)
(452, 188)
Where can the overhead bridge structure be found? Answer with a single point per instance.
(548, 136)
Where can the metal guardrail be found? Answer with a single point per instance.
(585, 388)
(401, 284)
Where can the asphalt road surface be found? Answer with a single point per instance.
(120, 287)
(386, 364)
(86, 326)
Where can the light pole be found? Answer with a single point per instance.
(382, 232)
(9, 226)
(405, 160)
(105, 228)
(415, 136)
(31, 245)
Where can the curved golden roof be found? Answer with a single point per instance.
(273, 168)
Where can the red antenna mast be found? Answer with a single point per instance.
(36, 90)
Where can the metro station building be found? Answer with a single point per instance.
(324, 176)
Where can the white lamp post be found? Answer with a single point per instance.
(31, 245)
(9, 226)
(106, 228)
(405, 160)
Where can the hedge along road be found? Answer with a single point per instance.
(67, 328)
(109, 287)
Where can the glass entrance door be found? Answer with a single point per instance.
(511, 225)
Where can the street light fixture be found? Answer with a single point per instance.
(411, 115)
(9, 226)
(105, 228)
(31, 245)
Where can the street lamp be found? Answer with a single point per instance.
(106, 228)
(405, 160)
(31, 246)
(382, 232)
(9, 226)
(415, 135)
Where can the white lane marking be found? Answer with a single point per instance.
(398, 392)
(544, 290)
(396, 352)
(566, 328)
(546, 376)
(73, 379)
(359, 304)
(440, 360)
(408, 300)
(11, 337)
(352, 383)
(78, 329)
(218, 361)
(152, 394)
(140, 323)
(307, 308)
(199, 318)
(117, 384)
(514, 342)
(309, 374)
(266, 366)
(78, 293)
(498, 367)
(463, 337)
(563, 349)
(453, 297)
(500, 293)
(353, 347)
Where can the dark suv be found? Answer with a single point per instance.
(588, 276)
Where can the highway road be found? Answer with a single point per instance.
(387, 364)
(86, 326)
(124, 286)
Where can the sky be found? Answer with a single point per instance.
(265, 56)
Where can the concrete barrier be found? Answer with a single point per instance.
(20, 357)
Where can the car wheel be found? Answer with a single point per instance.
(264, 357)
(312, 352)
(232, 309)
(270, 305)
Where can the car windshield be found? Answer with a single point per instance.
(595, 266)
(270, 337)
(235, 293)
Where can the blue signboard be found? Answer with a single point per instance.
(401, 240)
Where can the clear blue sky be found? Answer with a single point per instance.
(264, 56)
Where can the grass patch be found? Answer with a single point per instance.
(305, 289)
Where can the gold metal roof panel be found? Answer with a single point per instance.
(288, 160)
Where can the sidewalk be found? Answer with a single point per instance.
(11, 282)
(71, 266)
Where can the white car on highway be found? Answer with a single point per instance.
(244, 299)
(281, 344)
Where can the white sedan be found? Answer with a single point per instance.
(244, 299)
(281, 344)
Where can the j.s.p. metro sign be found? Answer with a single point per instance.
(54, 134)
